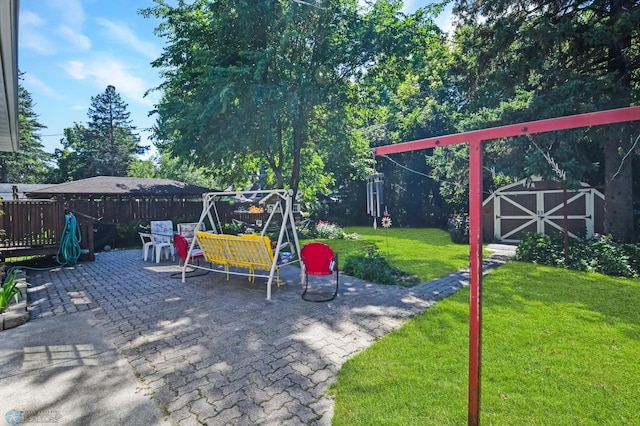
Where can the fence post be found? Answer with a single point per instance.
(86, 232)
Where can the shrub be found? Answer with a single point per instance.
(633, 253)
(127, 233)
(352, 236)
(307, 233)
(374, 267)
(602, 254)
(8, 290)
(328, 230)
(458, 227)
(541, 249)
(232, 228)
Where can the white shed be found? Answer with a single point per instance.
(539, 207)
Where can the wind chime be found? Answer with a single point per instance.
(375, 196)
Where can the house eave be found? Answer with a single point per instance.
(9, 121)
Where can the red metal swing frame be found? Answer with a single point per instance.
(475, 140)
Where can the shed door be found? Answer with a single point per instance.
(542, 212)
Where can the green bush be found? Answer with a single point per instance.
(127, 233)
(308, 233)
(324, 229)
(374, 267)
(602, 254)
(633, 252)
(8, 290)
(231, 228)
(541, 249)
(458, 227)
(328, 230)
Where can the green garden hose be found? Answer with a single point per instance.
(68, 254)
(69, 251)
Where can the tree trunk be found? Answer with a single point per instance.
(299, 124)
(298, 139)
(4, 170)
(279, 162)
(618, 173)
(618, 212)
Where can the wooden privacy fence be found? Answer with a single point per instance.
(34, 227)
(127, 209)
(123, 210)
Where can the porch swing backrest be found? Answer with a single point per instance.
(245, 251)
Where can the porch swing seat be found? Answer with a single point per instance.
(247, 254)
(242, 251)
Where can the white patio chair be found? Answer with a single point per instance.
(162, 237)
(147, 245)
(188, 230)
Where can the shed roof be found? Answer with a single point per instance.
(119, 186)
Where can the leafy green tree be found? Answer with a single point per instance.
(74, 159)
(253, 83)
(165, 167)
(528, 60)
(30, 164)
(106, 146)
(407, 95)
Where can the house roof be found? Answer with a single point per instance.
(6, 189)
(9, 75)
(119, 186)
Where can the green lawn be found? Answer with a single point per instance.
(426, 252)
(559, 348)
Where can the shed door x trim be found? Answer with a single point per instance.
(548, 215)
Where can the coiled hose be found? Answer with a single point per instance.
(69, 251)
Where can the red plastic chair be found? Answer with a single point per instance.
(182, 247)
(319, 259)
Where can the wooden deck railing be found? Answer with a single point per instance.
(28, 223)
(35, 227)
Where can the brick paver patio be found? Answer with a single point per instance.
(213, 351)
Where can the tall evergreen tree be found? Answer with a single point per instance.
(111, 133)
(105, 147)
(534, 59)
(30, 163)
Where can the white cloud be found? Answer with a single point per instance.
(75, 69)
(38, 43)
(30, 19)
(103, 71)
(30, 36)
(70, 12)
(35, 84)
(74, 38)
(122, 34)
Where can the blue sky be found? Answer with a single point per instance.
(70, 50)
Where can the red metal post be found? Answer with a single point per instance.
(475, 282)
(475, 139)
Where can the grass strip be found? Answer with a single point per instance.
(426, 252)
(559, 348)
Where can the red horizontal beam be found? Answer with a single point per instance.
(529, 128)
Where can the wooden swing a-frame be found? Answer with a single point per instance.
(242, 255)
